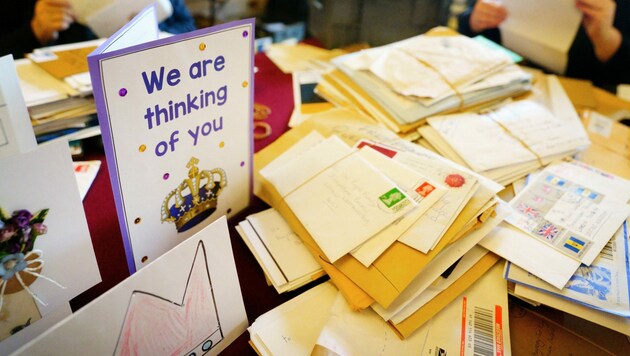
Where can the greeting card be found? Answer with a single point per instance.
(176, 117)
(46, 254)
(188, 302)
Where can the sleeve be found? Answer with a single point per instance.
(619, 64)
(463, 26)
(180, 21)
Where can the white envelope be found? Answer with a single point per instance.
(573, 209)
(424, 191)
(346, 204)
(280, 252)
(293, 327)
(428, 230)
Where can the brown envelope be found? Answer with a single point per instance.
(429, 310)
(69, 62)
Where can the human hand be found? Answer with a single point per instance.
(598, 23)
(487, 14)
(50, 17)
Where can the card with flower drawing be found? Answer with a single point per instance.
(46, 254)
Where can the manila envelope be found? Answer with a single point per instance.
(426, 312)
(392, 272)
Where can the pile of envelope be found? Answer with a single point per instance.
(57, 89)
(512, 139)
(285, 260)
(319, 321)
(385, 218)
(401, 84)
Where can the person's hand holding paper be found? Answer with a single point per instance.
(51, 16)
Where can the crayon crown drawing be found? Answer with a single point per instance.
(195, 198)
(155, 325)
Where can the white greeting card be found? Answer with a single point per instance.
(16, 132)
(187, 302)
(46, 254)
(176, 121)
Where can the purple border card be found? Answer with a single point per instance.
(176, 119)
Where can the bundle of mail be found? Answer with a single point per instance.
(57, 89)
(402, 231)
(385, 218)
(403, 83)
(287, 264)
(319, 321)
(512, 139)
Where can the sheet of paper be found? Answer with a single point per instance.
(349, 332)
(278, 246)
(85, 173)
(16, 132)
(346, 204)
(292, 328)
(545, 40)
(187, 301)
(106, 17)
(573, 209)
(604, 285)
(140, 29)
(423, 191)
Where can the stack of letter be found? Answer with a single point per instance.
(385, 218)
(512, 139)
(279, 251)
(403, 83)
(58, 91)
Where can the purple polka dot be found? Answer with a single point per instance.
(229, 211)
(245, 34)
(122, 92)
(242, 163)
(165, 176)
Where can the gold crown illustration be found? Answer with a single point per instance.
(193, 202)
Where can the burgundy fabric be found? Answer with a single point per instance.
(271, 88)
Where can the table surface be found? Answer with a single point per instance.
(273, 89)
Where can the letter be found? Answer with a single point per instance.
(217, 127)
(206, 128)
(209, 94)
(180, 105)
(202, 103)
(222, 95)
(194, 135)
(195, 70)
(173, 140)
(159, 112)
(205, 66)
(149, 117)
(192, 103)
(171, 115)
(173, 77)
(160, 148)
(219, 63)
(155, 82)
